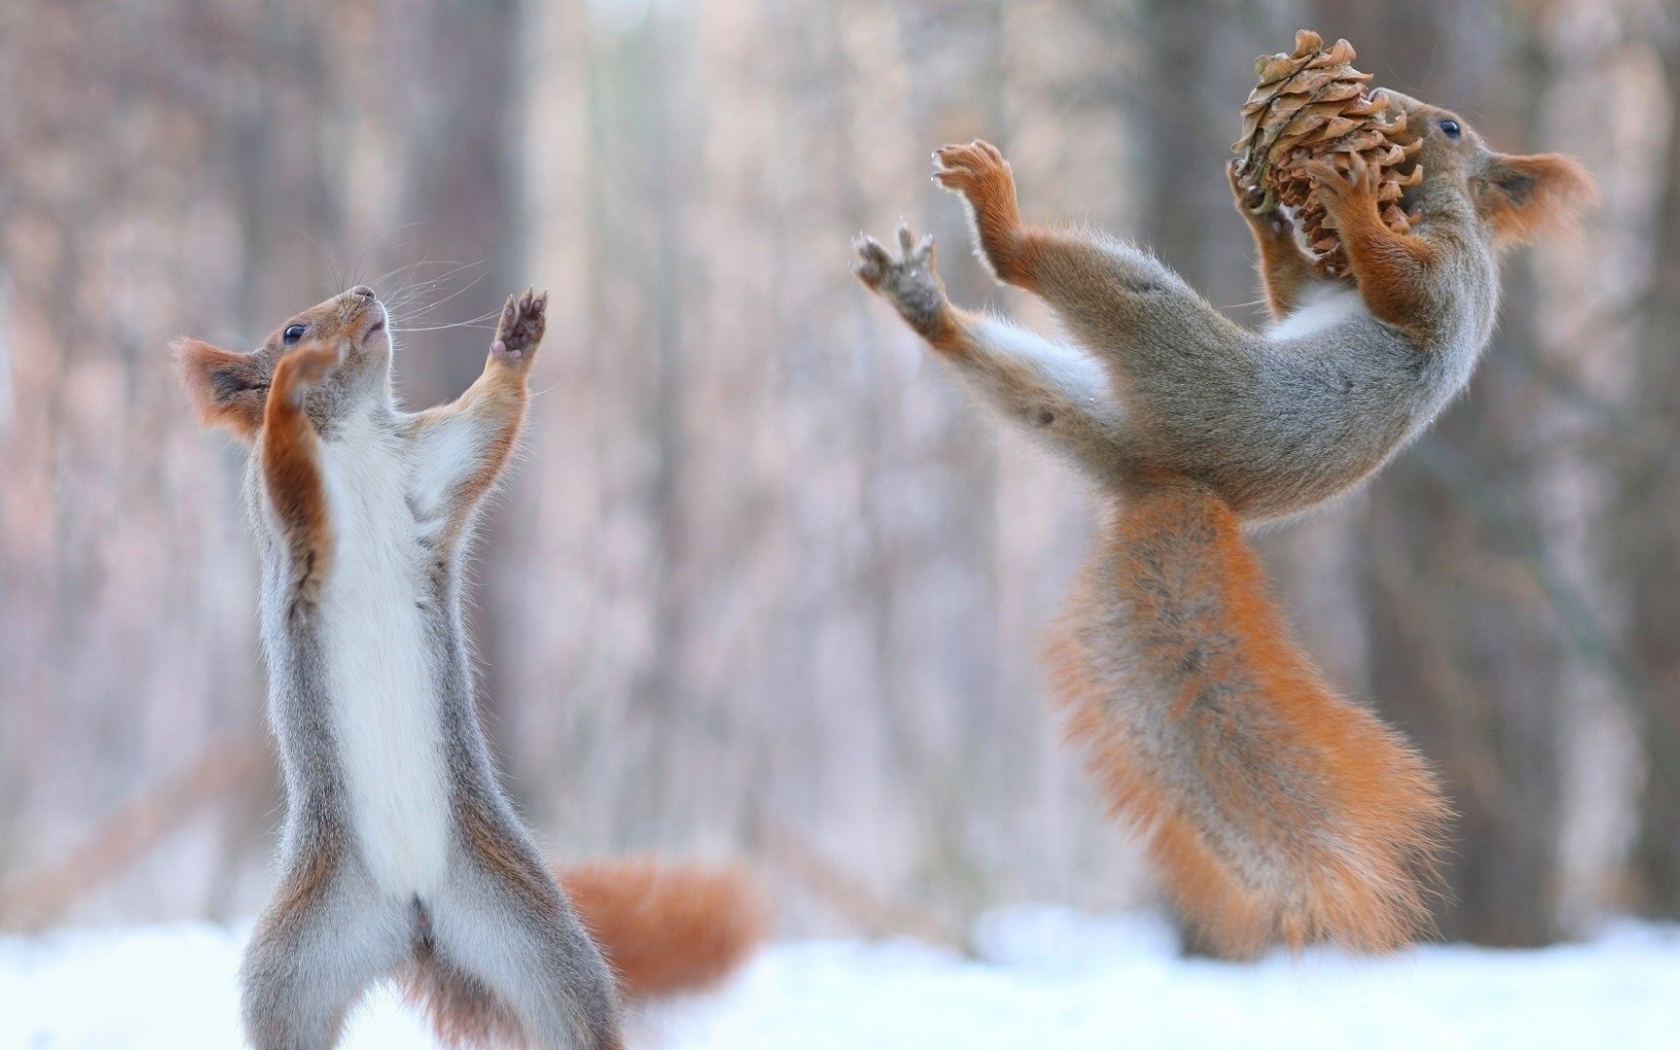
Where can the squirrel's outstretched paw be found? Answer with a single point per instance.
(972, 169)
(979, 173)
(520, 329)
(909, 279)
(876, 266)
(873, 262)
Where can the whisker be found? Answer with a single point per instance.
(363, 258)
(469, 286)
(412, 291)
(444, 327)
(481, 321)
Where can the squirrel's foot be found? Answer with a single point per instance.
(979, 173)
(305, 366)
(520, 329)
(909, 280)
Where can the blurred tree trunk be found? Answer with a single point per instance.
(459, 136)
(458, 140)
(1199, 56)
(1651, 510)
(961, 759)
(643, 191)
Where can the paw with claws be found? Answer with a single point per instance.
(520, 329)
(304, 367)
(982, 177)
(1346, 192)
(979, 172)
(909, 279)
(1271, 223)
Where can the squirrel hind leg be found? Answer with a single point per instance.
(513, 947)
(321, 942)
(501, 965)
(463, 1011)
(1120, 301)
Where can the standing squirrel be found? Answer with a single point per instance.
(400, 852)
(1275, 809)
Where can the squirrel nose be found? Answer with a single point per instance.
(362, 290)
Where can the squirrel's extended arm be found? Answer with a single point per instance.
(291, 467)
(464, 445)
(1107, 292)
(1053, 389)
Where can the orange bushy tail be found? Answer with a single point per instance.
(667, 927)
(1275, 809)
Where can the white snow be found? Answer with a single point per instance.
(1048, 978)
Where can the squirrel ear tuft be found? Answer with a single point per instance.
(227, 388)
(1527, 197)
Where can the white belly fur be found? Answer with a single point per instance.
(385, 707)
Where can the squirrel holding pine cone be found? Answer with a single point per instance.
(1275, 809)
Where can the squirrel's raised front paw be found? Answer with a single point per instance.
(1270, 221)
(977, 171)
(306, 365)
(909, 280)
(1356, 184)
(520, 329)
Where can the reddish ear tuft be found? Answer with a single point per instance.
(227, 388)
(1528, 197)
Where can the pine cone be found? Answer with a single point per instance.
(1310, 104)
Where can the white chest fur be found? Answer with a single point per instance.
(384, 700)
(1326, 306)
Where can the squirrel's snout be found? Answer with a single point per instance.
(361, 313)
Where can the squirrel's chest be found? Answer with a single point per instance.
(381, 674)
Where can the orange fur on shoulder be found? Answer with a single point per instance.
(667, 927)
(1275, 809)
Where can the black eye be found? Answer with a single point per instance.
(293, 334)
(1451, 129)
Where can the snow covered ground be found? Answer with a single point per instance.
(1049, 979)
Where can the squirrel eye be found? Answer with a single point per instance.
(293, 334)
(1451, 128)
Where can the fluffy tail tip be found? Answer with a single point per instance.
(668, 926)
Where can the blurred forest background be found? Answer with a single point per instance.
(764, 584)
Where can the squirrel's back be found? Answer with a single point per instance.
(1287, 418)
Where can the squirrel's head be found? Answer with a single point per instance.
(1518, 198)
(230, 388)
